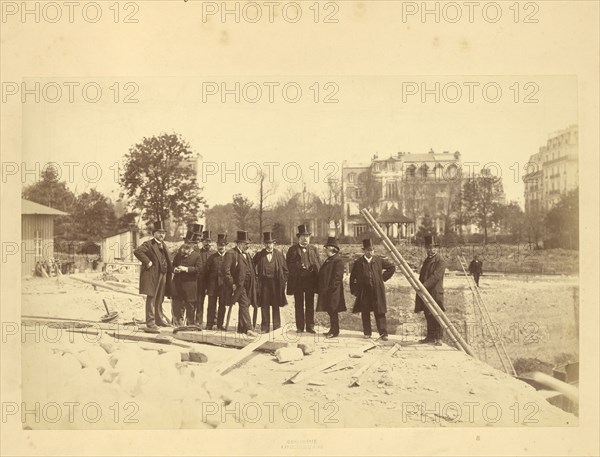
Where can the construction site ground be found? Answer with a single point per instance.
(145, 385)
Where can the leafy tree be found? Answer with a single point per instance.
(159, 180)
(330, 207)
(242, 209)
(219, 218)
(481, 198)
(512, 220)
(94, 215)
(49, 191)
(370, 192)
(426, 228)
(562, 222)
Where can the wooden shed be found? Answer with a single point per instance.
(37, 234)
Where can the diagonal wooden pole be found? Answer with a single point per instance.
(428, 300)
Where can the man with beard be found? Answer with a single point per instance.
(366, 284)
(215, 287)
(238, 271)
(272, 276)
(155, 277)
(205, 252)
(303, 264)
(432, 278)
(185, 289)
(331, 286)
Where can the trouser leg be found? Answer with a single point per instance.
(222, 308)
(335, 322)
(366, 322)
(381, 323)
(299, 310)
(199, 318)
(159, 297)
(276, 317)
(244, 321)
(211, 313)
(150, 311)
(309, 303)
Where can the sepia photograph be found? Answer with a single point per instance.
(299, 228)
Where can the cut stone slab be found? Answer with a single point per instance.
(288, 354)
(307, 348)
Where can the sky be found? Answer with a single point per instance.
(298, 129)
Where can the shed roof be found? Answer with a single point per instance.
(29, 207)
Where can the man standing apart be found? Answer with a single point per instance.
(303, 264)
(272, 276)
(155, 276)
(432, 278)
(215, 287)
(331, 286)
(238, 271)
(476, 269)
(366, 284)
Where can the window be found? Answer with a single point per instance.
(358, 193)
(391, 190)
(351, 177)
(358, 229)
(37, 243)
(410, 171)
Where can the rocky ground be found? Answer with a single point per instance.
(93, 381)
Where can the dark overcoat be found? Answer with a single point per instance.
(432, 277)
(148, 252)
(203, 270)
(301, 279)
(476, 266)
(331, 285)
(235, 267)
(382, 270)
(281, 273)
(185, 286)
(216, 276)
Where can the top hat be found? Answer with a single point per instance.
(367, 243)
(190, 237)
(303, 230)
(268, 237)
(221, 239)
(242, 236)
(430, 240)
(196, 228)
(331, 241)
(159, 226)
(206, 235)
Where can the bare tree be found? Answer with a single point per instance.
(266, 190)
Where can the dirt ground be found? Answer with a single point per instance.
(145, 385)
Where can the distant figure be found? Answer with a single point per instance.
(476, 269)
(366, 284)
(215, 287)
(432, 278)
(331, 286)
(185, 289)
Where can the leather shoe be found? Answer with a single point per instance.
(310, 330)
(251, 334)
(152, 329)
(209, 327)
(367, 337)
(437, 343)
(384, 338)
(426, 341)
(332, 335)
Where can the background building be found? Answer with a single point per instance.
(403, 190)
(554, 170)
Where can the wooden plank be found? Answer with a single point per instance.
(105, 286)
(245, 353)
(226, 339)
(304, 375)
(367, 368)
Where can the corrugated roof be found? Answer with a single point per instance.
(28, 207)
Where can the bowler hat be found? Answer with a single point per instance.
(159, 226)
(206, 235)
(367, 243)
(303, 230)
(242, 236)
(222, 239)
(268, 237)
(196, 228)
(332, 242)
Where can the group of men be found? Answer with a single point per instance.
(232, 276)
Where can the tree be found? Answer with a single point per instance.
(370, 192)
(49, 191)
(160, 182)
(534, 224)
(481, 197)
(265, 190)
(219, 218)
(330, 208)
(425, 229)
(512, 220)
(94, 215)
(562, 222)
(242, 209)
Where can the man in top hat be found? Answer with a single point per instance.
(331, 286)
(205, 252)
(272, 274)
(155, 276)
(432, 277)
(476, 268)
(367, 279)
(215, 285)
(303, 264)
(238, 270)
(185, 288)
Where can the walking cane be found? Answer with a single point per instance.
(254, 316)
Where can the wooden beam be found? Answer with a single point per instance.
(105, 286)
(304, 375)
(368, 367)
